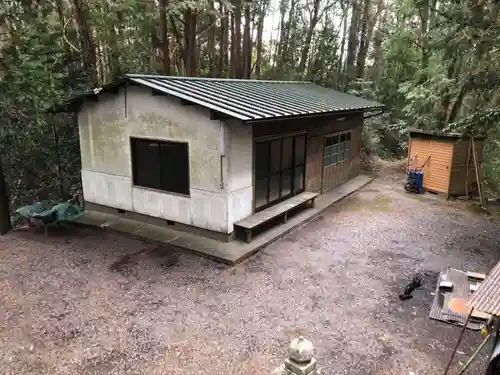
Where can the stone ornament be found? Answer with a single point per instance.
(301, 350)
(300, 360)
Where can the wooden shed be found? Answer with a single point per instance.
(447, 161)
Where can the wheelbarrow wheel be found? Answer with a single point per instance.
(409, 187)
(29, 223)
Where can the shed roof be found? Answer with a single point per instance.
(419, 133)
(487, 296)
(243, 99)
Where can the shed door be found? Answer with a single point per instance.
(435, 157)
(336, 157)
(314, 169)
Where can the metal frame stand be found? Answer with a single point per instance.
(458, 342)
(494, 333)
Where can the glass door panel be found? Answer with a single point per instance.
(279, 169)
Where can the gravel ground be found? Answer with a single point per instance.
(75, 303)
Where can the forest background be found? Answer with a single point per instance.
(435, 64)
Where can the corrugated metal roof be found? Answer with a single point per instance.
(487, 296)
(419, 133)
(249, 100)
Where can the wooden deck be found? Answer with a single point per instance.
(264, 216)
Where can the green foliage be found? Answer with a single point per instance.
(478, 124)
(440, 73)
(32, 80)
(435, 69)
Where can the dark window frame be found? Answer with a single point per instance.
(295, 165)
(342, 144)
(184, 191)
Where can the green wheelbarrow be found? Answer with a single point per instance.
(46, 213)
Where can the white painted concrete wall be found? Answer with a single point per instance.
(240, 170)
(105, 130)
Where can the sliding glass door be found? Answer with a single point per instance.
(279, 169)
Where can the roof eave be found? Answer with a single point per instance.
(416, 133)
(74, 103)
(320, 114)
(71, 105)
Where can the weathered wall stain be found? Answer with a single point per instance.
(105, 132)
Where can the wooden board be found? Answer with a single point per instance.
(442, 310)
(479, 315)
(476, 275)
(437, 166)
(355, 159)
(314, 163)
(334, 175)
(463, 169)
(276, 210)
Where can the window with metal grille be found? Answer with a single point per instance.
(337, 149)
(161, 165)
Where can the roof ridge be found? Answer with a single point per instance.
(159, 76)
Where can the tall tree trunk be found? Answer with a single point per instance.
(377, 41)
(352, 44)
(153, 45)
(60, 14)
(237, 34)
(369, 22)
(224, 40)
(212, 56)
(291, 46)
(281, 48)
(234, 52)
(190, 45)
(363, 42)
(86, 41)
(101, 71)
(247, 44)
(451, 73)
(109, 44)
(5, 224)
(113, 57)
(480, 55)
(457, 105)
(260, 33)
(424, 23)
(164, 37)
(315, 71)
(178, 55)
(345, 14)
(310, 30)
(65, 42)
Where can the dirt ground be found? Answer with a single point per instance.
(74, 303)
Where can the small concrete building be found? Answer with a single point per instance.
(207, 154)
